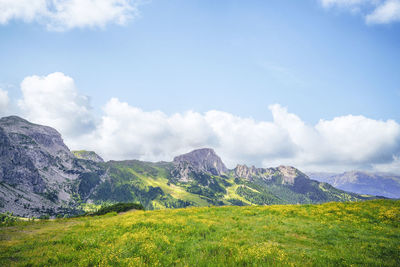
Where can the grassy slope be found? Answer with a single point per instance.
(151, 174)
(360, 233)
(151, 184)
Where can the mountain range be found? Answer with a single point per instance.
(40, 175)
(372, 183)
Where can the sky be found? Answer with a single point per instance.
(313, 83)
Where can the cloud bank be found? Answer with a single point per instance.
(127, 132)
(61, 15)
(374, 11)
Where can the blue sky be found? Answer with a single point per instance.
(320, 59)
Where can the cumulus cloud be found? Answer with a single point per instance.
(54, 100)
(388, 12)
(347, 142)
(67, 14)
(4, 100)
(374, 11)
(128, 132)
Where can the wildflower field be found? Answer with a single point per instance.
(332, 234)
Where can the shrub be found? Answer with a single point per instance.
(119, 207)
(7, 219)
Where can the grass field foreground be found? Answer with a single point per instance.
(331, 234)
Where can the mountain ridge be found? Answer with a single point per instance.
(45, 177)
(363, 182)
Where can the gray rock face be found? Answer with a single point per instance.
(380, 184)
(16, 168)
(250, 173)
(287, 174)
(37, 170)
(205, 160)
(200, 160)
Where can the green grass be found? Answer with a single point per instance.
(331, 234)
(174, 190)
(231, 193)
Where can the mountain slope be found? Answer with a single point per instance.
(381, 184)
(190, 181)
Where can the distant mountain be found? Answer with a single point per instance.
(378, 184)
(40, 175)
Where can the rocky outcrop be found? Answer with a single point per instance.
(250, 173)
(88, 155)
(283, 174)
(290, 175)
(204, 160)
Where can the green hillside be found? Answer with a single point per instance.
(156, 186)
(332, 234)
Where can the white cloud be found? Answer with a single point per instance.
(374, 11)
(344, 143)
(4, 100)
(54, 100)
(26, 10)
(392, 167)
(388, 12)
(127, 132)
(346, 3)
(67, 14)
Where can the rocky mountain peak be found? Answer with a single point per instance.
(249, 173)
(289, 174)
(37, 165)
(204, 159)
(29, 134)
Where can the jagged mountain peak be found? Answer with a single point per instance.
(30, 134)
(287, 173)
(204, 159)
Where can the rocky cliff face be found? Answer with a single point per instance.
(250, 173)
(200, 160)
(286, 174)
(38, 173)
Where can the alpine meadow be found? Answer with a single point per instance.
(199, 133)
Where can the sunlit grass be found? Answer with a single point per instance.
(231, 193)
(331, 234)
